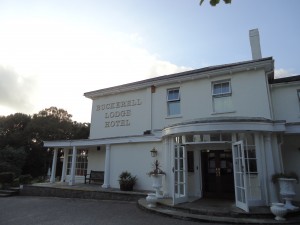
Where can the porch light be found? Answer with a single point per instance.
(153, 152)
(62, 158)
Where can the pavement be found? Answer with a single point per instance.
(202, 210)
(30, 210)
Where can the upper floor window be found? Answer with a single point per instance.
(173, 101)
(221, 93)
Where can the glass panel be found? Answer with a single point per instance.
(225, 87)
(217, 89)
(226, 137)
(189, 138)
(215, 137)
(173, 94)
(182, 189)
(174, 108)
(197, 138)
(223, 104)
(206, 137)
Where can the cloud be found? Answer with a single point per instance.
(280, 73)
(16, 91)
(57, 64)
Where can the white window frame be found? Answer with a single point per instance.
(226, 94)
(221, 94)
(172, 101)
(81, 164)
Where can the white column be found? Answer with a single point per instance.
(52, 178)
(270, 168)
(107, 167)
(64, 166)
(73, 166)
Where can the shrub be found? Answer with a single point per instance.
(6, 178)
(25, 179)
(127, 181)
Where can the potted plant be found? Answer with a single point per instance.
(127, 181)
(157, 174)
(277, 176)
(286, 185)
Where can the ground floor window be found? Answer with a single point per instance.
(81, 162)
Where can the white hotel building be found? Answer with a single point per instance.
(219, 131)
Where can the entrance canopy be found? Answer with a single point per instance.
(218, 124)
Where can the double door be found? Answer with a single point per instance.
(217, 174)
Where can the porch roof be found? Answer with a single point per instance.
(102, 141)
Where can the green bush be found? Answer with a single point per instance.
(6, 178)
(25, 179)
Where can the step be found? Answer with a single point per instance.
(4, 195)
(9, 192)
(210, 217)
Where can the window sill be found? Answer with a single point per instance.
(174, 116)
(217, 113)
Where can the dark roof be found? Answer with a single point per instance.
(183, 74)
(285, 79)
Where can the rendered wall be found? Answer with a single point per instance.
(286, 102)
(129, 113)
(136, 159)
(120, 115)
(291, 157)
(249, 96)
(96, 159)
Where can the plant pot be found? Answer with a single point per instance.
(157, 183)
(279, 211)
(126, 187)
(151, 200)
(287, 191)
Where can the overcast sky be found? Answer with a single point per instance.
(52, 51)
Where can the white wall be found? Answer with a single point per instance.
(136, 159)
(96, 159)
(249, 97)
(286, 102)
(120, 115)
(291, 157)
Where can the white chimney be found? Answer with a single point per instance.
(255, 44)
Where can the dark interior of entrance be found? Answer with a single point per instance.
(217, 174)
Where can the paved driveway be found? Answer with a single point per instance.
(24, 210)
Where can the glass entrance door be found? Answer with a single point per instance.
(180, 175)
(240, 183)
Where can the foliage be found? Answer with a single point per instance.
(156, 169)
(12, 159)
(25, 179)
(291, 175)
(12, 130)
(215, 2)
(127, 181)
(21, 131)
(6, 178)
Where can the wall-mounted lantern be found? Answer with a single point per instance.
(153, 152)
(62, 158)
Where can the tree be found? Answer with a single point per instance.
(12, 129)
(12, 160)
(215, 2)
(20, 131)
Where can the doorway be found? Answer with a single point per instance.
(217, 174)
